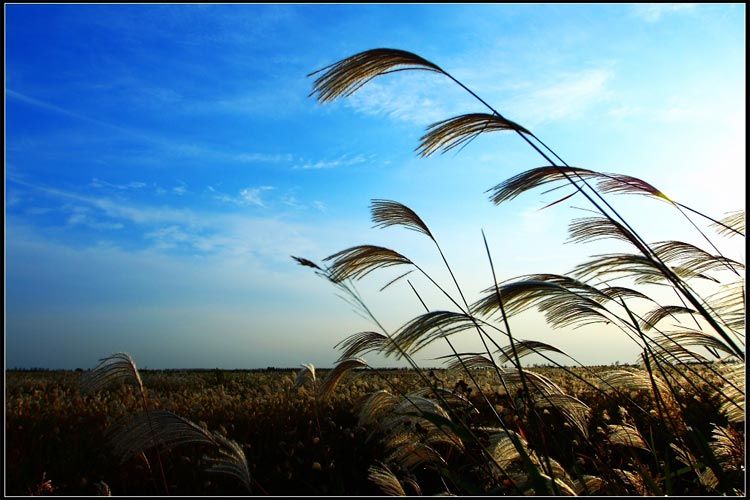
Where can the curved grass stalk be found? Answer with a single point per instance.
(708, 453)
(359, 303)
(731, 224)
(341, 79)
(645, 250)
(563, 306)
(118, 368)
(558, 280)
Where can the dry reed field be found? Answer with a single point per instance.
(485, 423)
(296, 444)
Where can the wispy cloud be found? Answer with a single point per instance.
(81, 216)
(246, 196)
(319, 205)
(413, 98)
(181, 189)
(570, 96)
(79, 116)
(172, 236)
(273, 100)
(52, 107)
(692, 106)
(342, 161)
(116, 209)
(423, 101)
(168, 228)
(167, 147)
(13, 199)
(653, 12)
(252, 196)
(292, 201)
(98, 183)
(263, 157)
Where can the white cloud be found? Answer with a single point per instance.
(81, 216)
(206, 232)
(12, 199)
(292, 201)
(171, 237)
(263, 157)
(570, 96)
(262, 102)
(98, 183)
(245, 197)
(165, 145)
(652, 12)
(343, 161)
(423, 100)
(252, 196)
(117, 209)
(414, 97)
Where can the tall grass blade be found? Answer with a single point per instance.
(390, 213)
(356, 262)
(453, 132)
(346, 76)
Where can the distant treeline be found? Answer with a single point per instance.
(283, 370)
(196, 370)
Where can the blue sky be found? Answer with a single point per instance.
(164, 161)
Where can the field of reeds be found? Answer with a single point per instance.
(58, 441)
(672, 424)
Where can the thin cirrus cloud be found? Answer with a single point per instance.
(263, 157)
(342, 161)
(165, 146)
(181, 189)
(653, 12)
(565, 96)
(273, 101)
(168, 228)
(408, 98)
(172, 236)
(98, 183)
(417, 99)
(319, 205)
(81, 216)
(252, 196)
(260, 196)
(114, 208)
(292, 201)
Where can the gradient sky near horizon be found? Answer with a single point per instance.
(164, 161)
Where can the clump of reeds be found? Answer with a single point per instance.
(696, 345)
(159, 430)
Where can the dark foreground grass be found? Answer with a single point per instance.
(55, 434)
